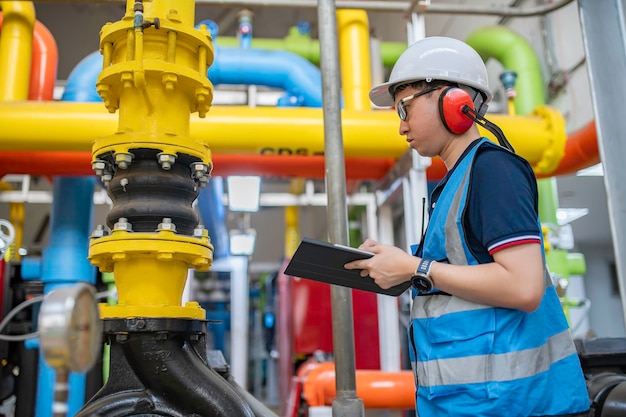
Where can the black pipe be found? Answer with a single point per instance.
(159, 368)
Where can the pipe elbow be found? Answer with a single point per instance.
(24, 10)
(554, 150)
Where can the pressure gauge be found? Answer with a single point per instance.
(70, 331)
(7, 235)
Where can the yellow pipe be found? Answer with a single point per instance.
(354, 58)
(16, 46)
(150, 271)
(511, 106)
(154, 94)
(16, 217)
(538, 137)
(292, 226)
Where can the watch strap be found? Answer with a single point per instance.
(422, 280)
(424, 267)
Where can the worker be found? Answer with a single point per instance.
(487, 335)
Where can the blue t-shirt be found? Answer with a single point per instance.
(502, 208)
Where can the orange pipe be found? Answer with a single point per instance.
(79, 163)
(44, 61)
(581, 151)
(43, 70)
(379, 390)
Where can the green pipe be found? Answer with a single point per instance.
(301, 44)
(548, 206)
(514, 53)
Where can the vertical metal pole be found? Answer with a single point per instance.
(603, 25)
(345, 404)
(239, 318)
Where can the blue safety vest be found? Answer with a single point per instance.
(475, 360)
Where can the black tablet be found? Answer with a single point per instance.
(324, 261)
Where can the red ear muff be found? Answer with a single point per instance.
(451, 103)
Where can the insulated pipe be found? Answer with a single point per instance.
(16, 46)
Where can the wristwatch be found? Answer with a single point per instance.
(421, 279)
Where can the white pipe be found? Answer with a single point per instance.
(239, 304)
(388, 320)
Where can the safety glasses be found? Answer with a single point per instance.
(401, 106)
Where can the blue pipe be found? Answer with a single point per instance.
(81, 83)
(64, 262)
(213, 214)
(300, 79)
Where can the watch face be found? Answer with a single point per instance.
(421, 283)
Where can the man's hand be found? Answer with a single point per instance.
(388, 267)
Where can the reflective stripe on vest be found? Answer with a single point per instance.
(485, 368)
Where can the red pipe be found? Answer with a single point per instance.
(79, 163)
(2, 284)
(43, 68)
(285, 334)
(581, 151)
(43, 72)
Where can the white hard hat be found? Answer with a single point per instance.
(435, 58)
